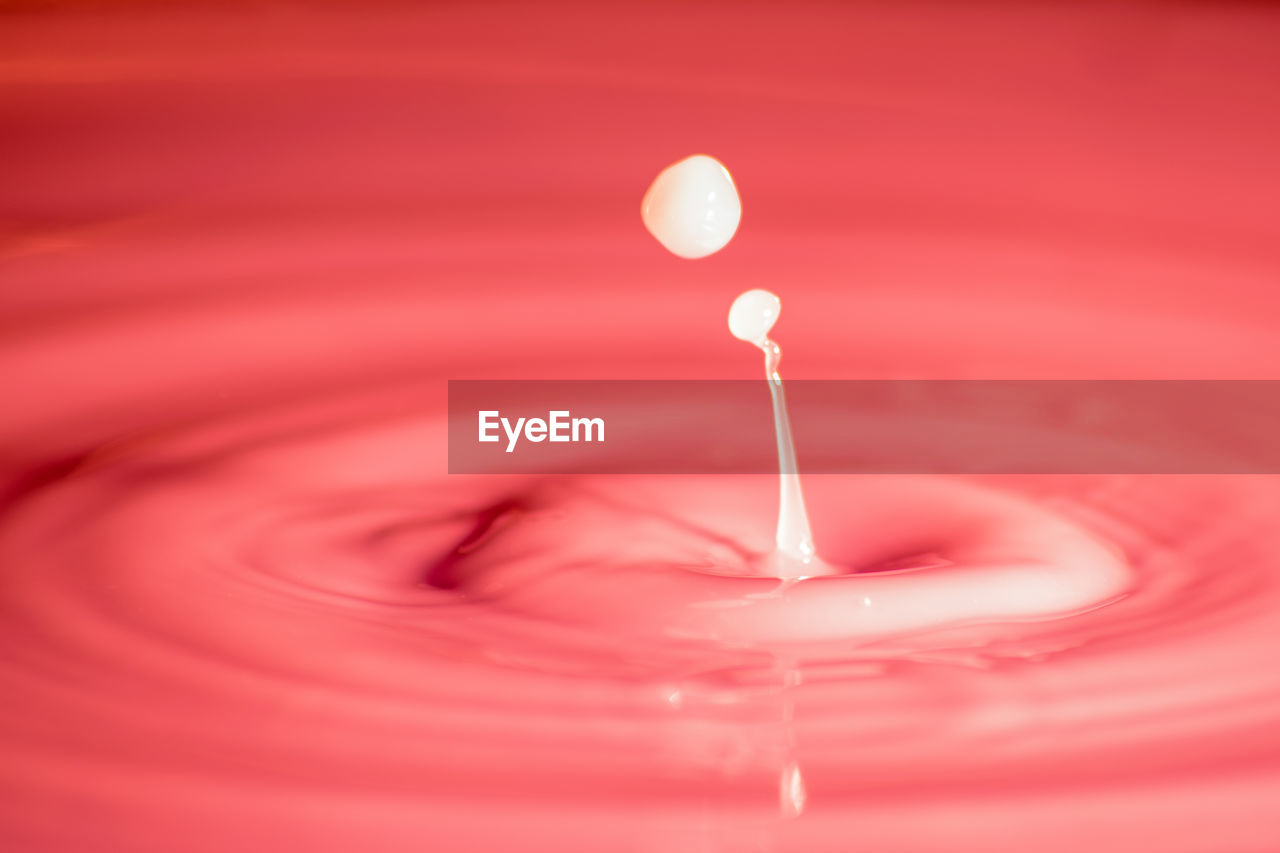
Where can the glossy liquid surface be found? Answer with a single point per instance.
(244, 607)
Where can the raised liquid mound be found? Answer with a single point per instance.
(297, 607)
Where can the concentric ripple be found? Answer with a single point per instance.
(303, 595)
(244, 607)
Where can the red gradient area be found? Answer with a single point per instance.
(244, 606)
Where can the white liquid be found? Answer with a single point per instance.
(751, 317)
(692, 207)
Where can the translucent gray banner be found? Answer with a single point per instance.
(866, 426)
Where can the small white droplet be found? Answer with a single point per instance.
(692, 207)
(753, 314)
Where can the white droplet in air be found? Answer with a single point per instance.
(692, 207)
(752, 316)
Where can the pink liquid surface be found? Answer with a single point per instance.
(244, 607)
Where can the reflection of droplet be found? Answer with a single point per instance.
(692, 207)
(791, 791)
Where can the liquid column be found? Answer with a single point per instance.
(751, 317)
